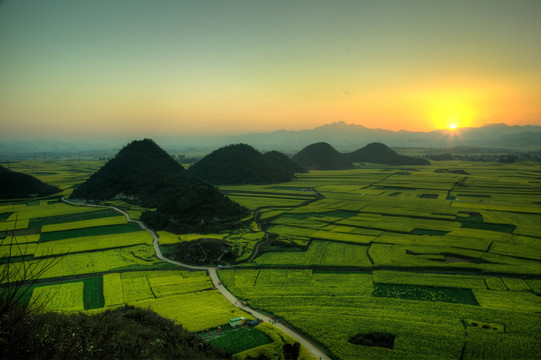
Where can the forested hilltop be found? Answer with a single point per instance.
(144, 174)
(321, 156)
(242, 164)
(379, 153)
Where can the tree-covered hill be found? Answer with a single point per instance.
(321, 156)
(282, 160)
(15, 185)
(146, 175)
(381, 154)
(242, 164)
(121, 333)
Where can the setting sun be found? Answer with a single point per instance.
(452, 126)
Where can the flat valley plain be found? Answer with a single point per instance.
(377, 262)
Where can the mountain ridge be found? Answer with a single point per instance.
(343, 136)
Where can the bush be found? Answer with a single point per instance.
(122, 333)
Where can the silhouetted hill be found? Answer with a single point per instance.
(321, 156)
(282, 160)
(241, 164)
(381, 154)
(14, 185)
(145, 174)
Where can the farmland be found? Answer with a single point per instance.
(447, 264)
(414, 253)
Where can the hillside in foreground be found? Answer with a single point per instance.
(321, 156)
(144, 174)
(122, 333)
(242, 164)
(14, 185)
(378, 153)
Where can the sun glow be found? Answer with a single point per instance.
(453, 126)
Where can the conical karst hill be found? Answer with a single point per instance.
(283, 161)
(145, 174)
(321, 156)
(379, 153)
(16, 185)
(242, 164)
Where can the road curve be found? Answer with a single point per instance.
(213, 274)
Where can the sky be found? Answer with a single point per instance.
(78, 68)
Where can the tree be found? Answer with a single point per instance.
(292, 351)
(18, 275)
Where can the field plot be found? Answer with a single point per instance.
(64, 297)
(235, 341)
(46, 209)
(277, 282)
(274, 350)
(319, 253)
(91, 231)
(196, 311)
(92, 243)
(404, 256)
(84, 224)
(128, 258)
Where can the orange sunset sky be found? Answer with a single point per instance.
(73, 68)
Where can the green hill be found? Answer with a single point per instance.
(282, 160)
(144, 174)
(14, 185)
(321, 156)
(381, 154)
(242, 164)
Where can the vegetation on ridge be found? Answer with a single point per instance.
(122, 333)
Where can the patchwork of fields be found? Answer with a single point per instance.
(103, 261)
(446, 263)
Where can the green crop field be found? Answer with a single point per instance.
(446, 264)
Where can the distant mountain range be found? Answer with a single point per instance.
(348, 137)
(344, 137)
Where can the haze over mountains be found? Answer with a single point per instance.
(342, 136)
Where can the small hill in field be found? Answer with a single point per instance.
(381, 154)
(15, 185)
(321, 156)
(144, 174)
(242, 164)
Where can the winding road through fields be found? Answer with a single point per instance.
(212, 271)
